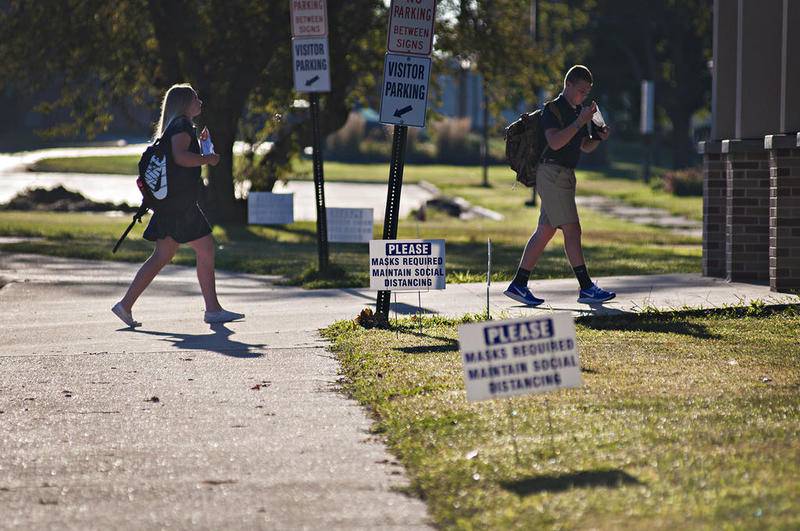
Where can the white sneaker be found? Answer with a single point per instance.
(125, 315)
(222, 316)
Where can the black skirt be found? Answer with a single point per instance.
(183, 227)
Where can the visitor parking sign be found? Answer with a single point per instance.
(404, 92)
(311, 66)
(406, 265)
(516, 357)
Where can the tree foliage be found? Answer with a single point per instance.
(97, 56)
(496, 38)
(666, 41)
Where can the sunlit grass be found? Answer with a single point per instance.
(687, 421)
(612, 246)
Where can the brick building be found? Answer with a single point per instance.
(751, 165)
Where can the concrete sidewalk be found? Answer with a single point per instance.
(178, 424)
(231, 426)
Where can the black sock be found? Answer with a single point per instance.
(583, 276)
(522, 277)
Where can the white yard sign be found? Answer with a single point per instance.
(411, 26)
(406, 265)
(309, 18)
(349, 225)
(311, 65)
(266, 208)
(519, 356)
(404, 92)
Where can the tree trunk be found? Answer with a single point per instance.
(220, 201)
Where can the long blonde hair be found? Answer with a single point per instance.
(175, 103)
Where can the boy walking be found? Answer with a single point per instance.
(566, 123)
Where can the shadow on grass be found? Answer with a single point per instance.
(562, 482)
(450, 346)
(219, 341)
(664, 324)
(403, 308)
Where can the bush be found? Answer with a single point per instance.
(345, 143)
(455, 143)
(687, 182)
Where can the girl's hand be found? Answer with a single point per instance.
(204, 134)
(212, 159)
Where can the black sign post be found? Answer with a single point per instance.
(392, 215)
(311, 68)
(319, 186)
(404, 99)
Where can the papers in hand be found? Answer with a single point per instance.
(207, 146)
(598, 120)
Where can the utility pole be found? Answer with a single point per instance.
(534, 31)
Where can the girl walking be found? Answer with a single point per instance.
(180, 220)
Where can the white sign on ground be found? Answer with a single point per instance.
(411, 26)
(311, 65)
(519, 356)
(266, 208)
(309, 18)
(406, 265)
(349, 225)
(404, 92)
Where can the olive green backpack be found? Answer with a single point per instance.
(525, 143)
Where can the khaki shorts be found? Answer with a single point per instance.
(556, 187)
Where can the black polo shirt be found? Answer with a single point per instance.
(569, 154)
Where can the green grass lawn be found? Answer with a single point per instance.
(617, 182)
(685, 421)
(612, 246)
(116, 164)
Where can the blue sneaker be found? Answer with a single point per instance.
(595, 293)
(522, 294)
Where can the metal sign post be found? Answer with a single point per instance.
(311, 67)
(319, 187)
(404, 98)
(488, 277)
(393, 202)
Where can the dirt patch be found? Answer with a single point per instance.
(59, 199)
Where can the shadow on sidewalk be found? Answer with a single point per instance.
(219, 341)
(561, 482)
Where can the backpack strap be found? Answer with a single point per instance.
(554, 109)
(551, 105)
(136, 217)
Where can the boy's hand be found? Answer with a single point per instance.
(212, 159)
(604, 133)
(586, 113)
(204, 134)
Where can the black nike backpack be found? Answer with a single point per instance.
(152, 181)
